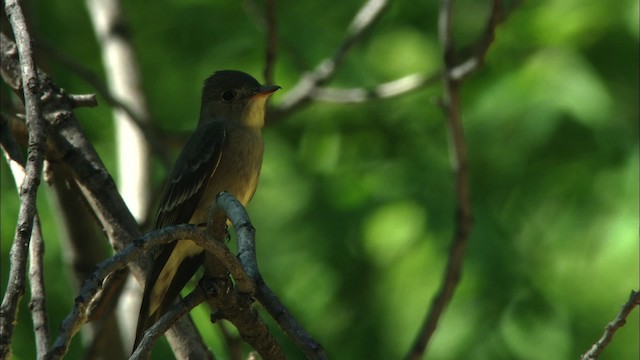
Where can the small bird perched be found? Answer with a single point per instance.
(224, 153)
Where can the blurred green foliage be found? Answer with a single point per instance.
(354, 210)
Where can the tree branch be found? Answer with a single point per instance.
(463, 216)
(37, 304)
(225, 300)
(93, 180)
(120, 260)
(389, 89)
(612, 327)
(81, 241)
(33, 171)
(232, 303)
(476, 60)
(246, 253)
(83, 100)
(79, 156)
(236, 307)
(401, 86)
(153, 334)
(302, 92)
(272, 42)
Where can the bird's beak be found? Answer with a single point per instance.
(266, 90)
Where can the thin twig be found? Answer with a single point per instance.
(37, 304)
(476, 61)
(385, 90)
(454, 74)
(406, 83)
(612, 327)
(302, 92)
(309, 346)
(29, 187)
(83, 100)
(182, 307)
(272, 42)
(463, 216)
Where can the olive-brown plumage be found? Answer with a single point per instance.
(224, 153)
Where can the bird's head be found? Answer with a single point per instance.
(235, 97)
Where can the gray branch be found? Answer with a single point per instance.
(33, 171)
(79, 314)
(92, 178)
(246, 253)
(612, 327)
(463, 218)
(37, 304)
(302, 92)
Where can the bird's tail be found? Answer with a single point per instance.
(170, 272)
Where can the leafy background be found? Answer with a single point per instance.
(354, 209)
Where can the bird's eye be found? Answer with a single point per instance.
(228, 95)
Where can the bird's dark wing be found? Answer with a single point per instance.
(191, 174)
(193, 170)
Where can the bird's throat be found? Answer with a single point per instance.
(253, 115)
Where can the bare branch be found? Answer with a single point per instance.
(37, 304)
(402, 85)
(182, 307)
(309, 346)
(186, 342)
(612, 327)
(245, 232)
(94, 182)
(246, 253)
(33, 171)
(389, 89)
(81, 159)
(302, 92)
(87, 100)
(463, 217)
(225, 300)
(483, 44)
(81, 241)
(120, 260)
(272, 42)
(236, 307)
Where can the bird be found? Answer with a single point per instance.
(224, 153)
